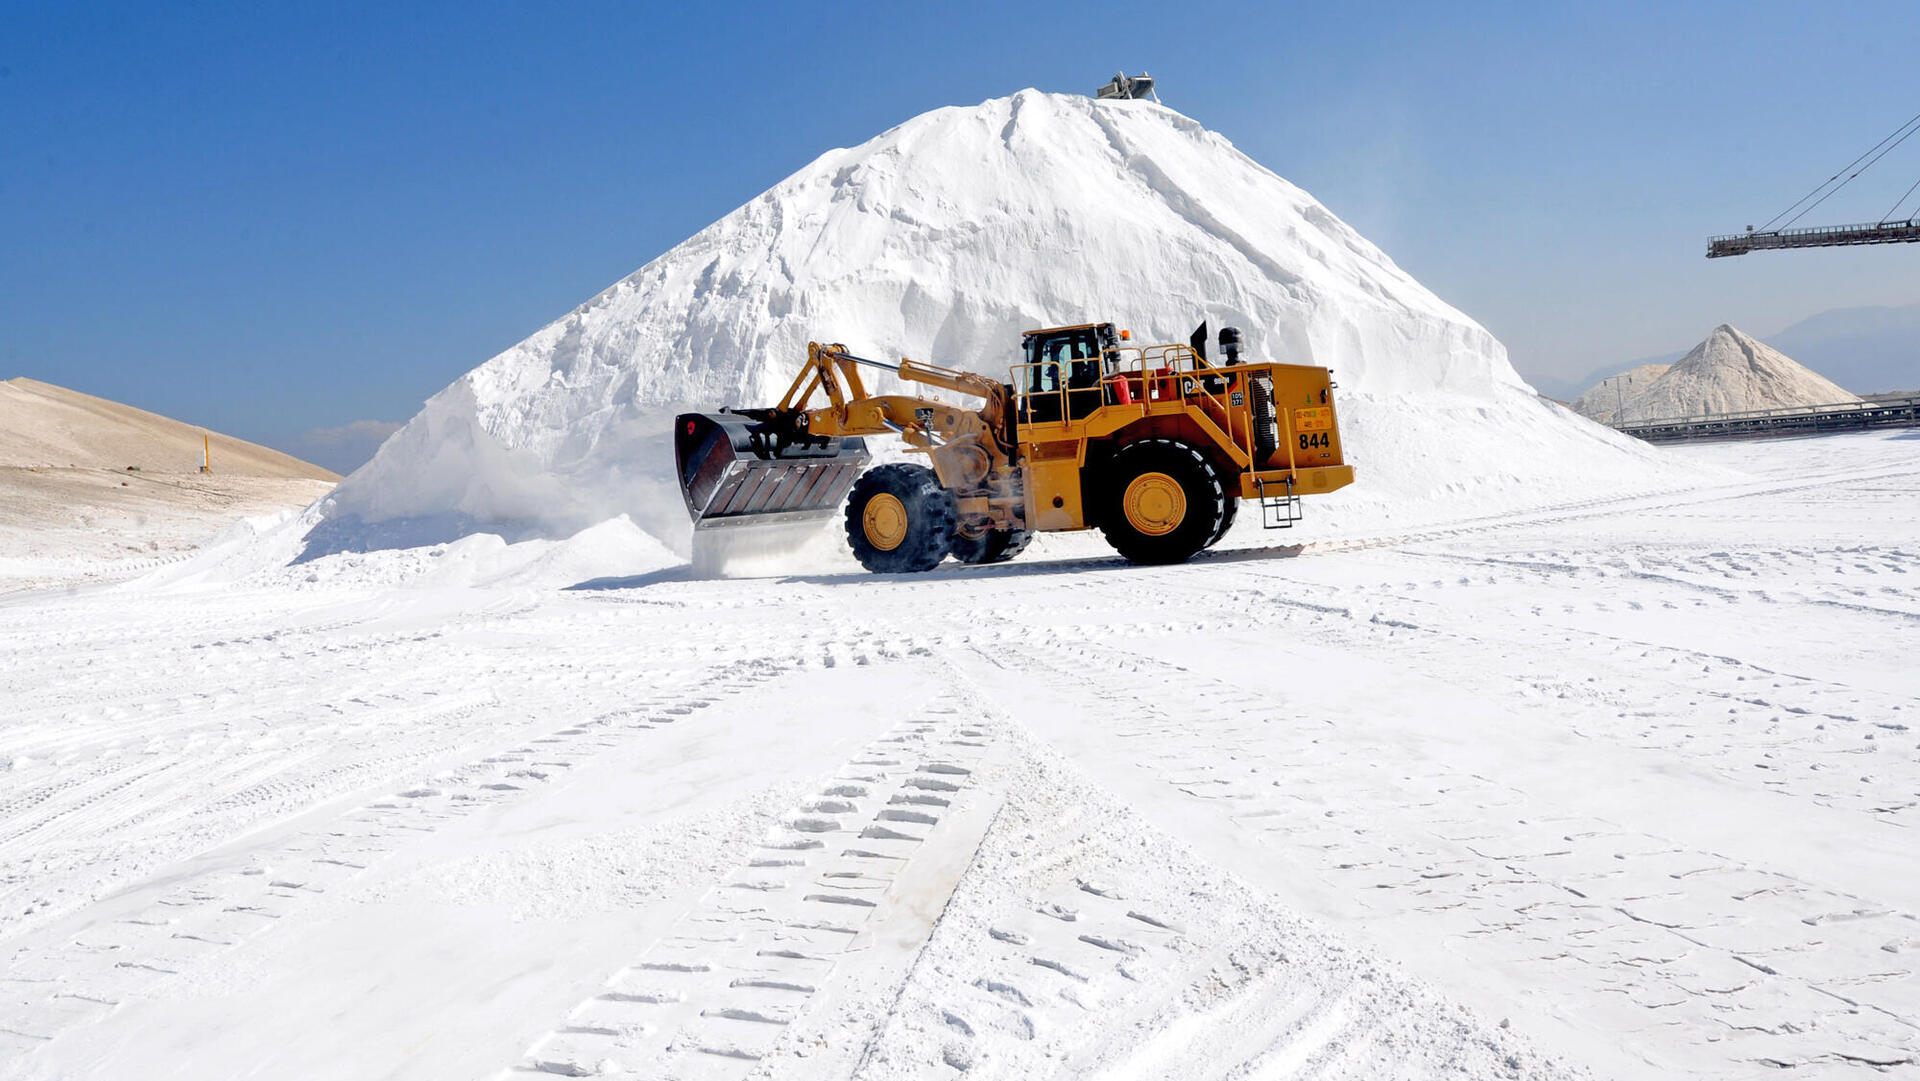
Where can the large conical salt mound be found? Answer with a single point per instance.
(943, 239)
(1730, 372)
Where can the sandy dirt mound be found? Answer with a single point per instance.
(71, 509)
(45, 425)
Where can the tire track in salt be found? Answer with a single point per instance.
(717, 994)
(1724, 966)
(99, 794)
(1083, 942)
(47, 992)
(1667, 681)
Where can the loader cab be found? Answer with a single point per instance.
(1060, 370)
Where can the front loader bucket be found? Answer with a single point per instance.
(733, 472)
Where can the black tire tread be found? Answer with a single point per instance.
(1226, 519)
(1207, 501)
(993, 546)
(931, 516)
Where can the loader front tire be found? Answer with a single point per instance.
(993, 546)
(899, 519)
(1161, 502)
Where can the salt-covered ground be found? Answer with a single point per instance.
(94, 490)
(66, 527)
(1625, 787)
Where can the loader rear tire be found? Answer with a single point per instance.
(993, 546)
(1226, 519)
(899, 519)
(1162, 501)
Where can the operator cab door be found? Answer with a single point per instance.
(1068, 359)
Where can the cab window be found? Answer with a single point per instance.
(1075, 353)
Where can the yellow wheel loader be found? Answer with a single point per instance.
(1155, 446)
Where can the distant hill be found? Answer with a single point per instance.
(1568, 389)
(1867, 349)
(1729, 372)
(342, 449)
(49, 426)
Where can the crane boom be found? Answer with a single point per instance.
(1890, 229)
(1837, 236)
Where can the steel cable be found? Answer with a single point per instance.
(1902, 199)
(1843, 183)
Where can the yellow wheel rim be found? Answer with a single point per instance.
(1155, 504)
(885, 521)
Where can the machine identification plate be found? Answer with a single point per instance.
(1319, 419)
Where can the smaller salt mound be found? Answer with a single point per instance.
(1602, 400)
(1730, 372)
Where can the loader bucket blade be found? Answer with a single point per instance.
(733, 472)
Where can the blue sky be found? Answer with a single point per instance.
(268, 218)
